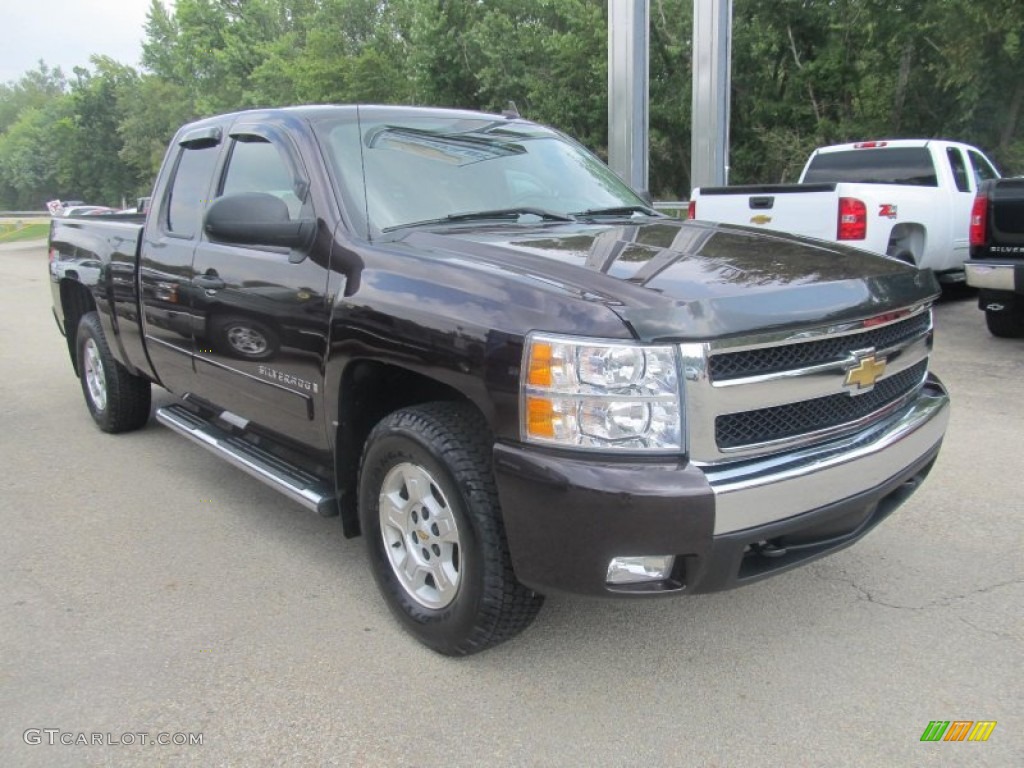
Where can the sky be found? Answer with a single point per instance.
(66, 33)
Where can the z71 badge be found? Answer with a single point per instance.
(887, 210)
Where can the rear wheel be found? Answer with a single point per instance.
(429, 512)
(1006, 324)
(118, 400)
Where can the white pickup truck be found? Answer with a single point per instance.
(907, 198)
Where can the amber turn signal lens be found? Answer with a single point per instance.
(540, 365)
(540, 417)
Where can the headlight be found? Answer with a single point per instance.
(600, 395)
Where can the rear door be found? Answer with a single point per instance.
(263, 312)
(165, 268)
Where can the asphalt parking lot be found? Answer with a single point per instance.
(150, 589)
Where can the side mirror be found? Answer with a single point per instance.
(257, 218)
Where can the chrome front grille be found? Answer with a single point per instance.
(760, 395)
(765, 425)
(752, 362)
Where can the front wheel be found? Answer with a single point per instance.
(429, 512)
(118, 400)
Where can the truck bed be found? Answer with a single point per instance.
(101, 253)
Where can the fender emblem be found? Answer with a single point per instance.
(888, 210)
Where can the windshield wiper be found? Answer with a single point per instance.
(619, 210)
(508, 213)
(499, 214)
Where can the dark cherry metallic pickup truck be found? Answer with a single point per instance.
(466, 337)
(997, 255)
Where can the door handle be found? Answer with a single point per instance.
(208, 282)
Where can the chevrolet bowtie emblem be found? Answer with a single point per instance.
(760, 219)
(865, 373)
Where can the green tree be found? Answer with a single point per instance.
(34, 128)
(91, 163)
(344, 51)
(27, 162)
(805, 73)
(151, 110)
(36, 88)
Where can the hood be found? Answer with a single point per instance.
(694, 280)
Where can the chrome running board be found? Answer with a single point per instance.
(297, 484)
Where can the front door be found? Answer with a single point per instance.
(262, 312)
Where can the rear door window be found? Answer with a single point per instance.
(956, 164)
(189, 189)
(896, 165)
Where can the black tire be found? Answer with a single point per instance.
(117, 400)
(245, 338)
(450, 445)
(1007, 324)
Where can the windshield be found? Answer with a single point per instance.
(430, 170)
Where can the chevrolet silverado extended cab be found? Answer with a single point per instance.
(462, 334)
(910, 199)
(996, 267)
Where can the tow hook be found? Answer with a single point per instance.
(768, 549)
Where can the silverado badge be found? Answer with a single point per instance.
(761, 218)
(865, 372)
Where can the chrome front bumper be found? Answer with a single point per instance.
(761, 491)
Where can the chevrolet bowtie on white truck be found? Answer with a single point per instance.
(910, 199)
(462, 334)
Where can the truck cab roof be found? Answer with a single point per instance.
(891, 144)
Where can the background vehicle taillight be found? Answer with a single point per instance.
(979, 221)
(853, 219)
(691, 210)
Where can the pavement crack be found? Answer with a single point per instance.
(992, 632)
(841, 577)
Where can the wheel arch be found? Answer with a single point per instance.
(76, 301)
(369, 391)
(907, 238)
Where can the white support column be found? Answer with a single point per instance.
(709, 137)
(628, 44)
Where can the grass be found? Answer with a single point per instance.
(17, 231)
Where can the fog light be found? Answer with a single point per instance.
(636, 570)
